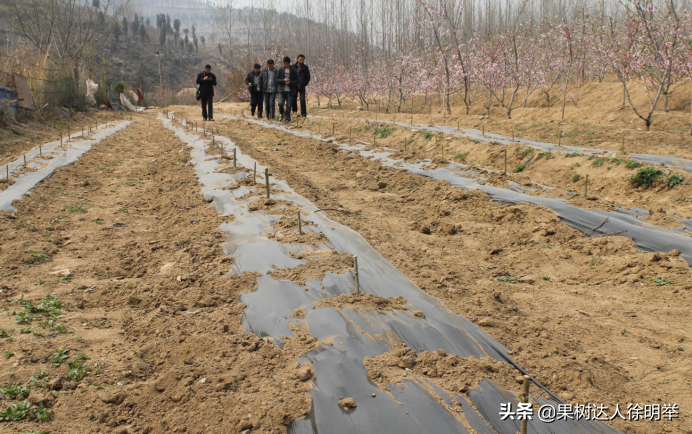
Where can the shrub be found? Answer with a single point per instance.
(674, 179)
(576, 177)
(632, 164)
(645, 177)
(459, 156)
(119, 88)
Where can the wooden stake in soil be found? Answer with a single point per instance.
(586, 186)
(513, 136)
(60, 138)
(524, 399)
(484, 130)
(68, 133)
(235, 164)
(300, 226)
(40, 152)
(254, 176)
(82, 130)
(332, 128)
(559, 137)
(7, 173)
(355, 267)
(505, 159)
(266, 177)
(458, 125)
(25, 161)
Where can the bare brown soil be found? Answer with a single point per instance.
(151, 303)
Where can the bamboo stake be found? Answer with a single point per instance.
(505, 159)
(355, 267)
(234, 158)
(68, 133)
(525, 399)
(40, 151)
(25, 161)
(586, 186)
(254, 176)
(300, 226)
(7, 173)
(60, 138)
(266, 177)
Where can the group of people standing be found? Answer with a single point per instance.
(288, 82)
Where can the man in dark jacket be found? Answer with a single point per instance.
(206, 81)
(253, 83)
(303, 81)
(268, 84)
(287, 88)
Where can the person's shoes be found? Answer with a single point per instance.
(259, 117)
(212, 120)
(288, 121)
(205, 119)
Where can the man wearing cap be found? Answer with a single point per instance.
(288, 80)
(253, 83)
(206, 81)
(303, 81)
(268, 84)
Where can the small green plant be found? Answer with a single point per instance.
(383, 131)
(598, 162)
(125, 210)
(574, 154)
(75, 208)
(37, 257)
(98, 221)
(518, 169)
(80, 339)
(632, 164)
(550, 246)
(547, 278)
(577, 164)
(594, 259)
(13, 390)
(6, 333)
(547, 155)
(459, 156)
(646, 177)
(40, 282)
(576, 177)
(77, 370)
(616, 160)
(427, 134)
(518, 149)
(59, 356)
(659, 281)
(39, 379)
(527, 152)
(674, 179)
(8, 354)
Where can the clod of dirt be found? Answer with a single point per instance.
(305, 373)
(347, 403)
(418, 313)
(363, 302)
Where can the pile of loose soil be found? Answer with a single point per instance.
(363, 302)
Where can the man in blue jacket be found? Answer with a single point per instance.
(206, 81)
(253, 82)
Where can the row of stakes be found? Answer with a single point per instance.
(266, 178)
(69, 138)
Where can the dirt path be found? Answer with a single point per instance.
(586, 317)
(151, 303)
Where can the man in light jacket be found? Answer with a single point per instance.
(303, 81)
(269, 84)
(253, 83)
(287, 88)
